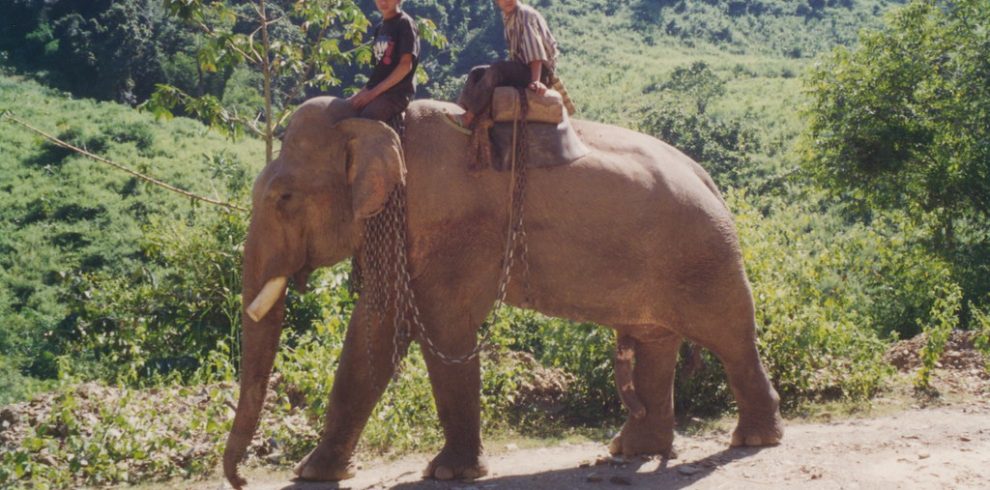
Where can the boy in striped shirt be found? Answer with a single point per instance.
(532, 61)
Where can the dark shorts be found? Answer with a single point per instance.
(385, 107)
(476, 95)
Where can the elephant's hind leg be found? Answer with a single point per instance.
(730, 333)
(656, 358)
(760, 423)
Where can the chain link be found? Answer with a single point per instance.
(385, 244)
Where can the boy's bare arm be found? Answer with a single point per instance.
(535, 73)
(365, 96)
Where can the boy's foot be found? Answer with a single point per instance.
(455, 121)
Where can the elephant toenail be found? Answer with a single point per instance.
(443, 473)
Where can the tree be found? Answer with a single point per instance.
(95, 48)
(903, 120)
(697, 82)
(723, 147)
(293, 44)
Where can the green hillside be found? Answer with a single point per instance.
(67, 219)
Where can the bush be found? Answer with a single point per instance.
(170, 315)
(724, 148)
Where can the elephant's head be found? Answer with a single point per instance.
(308, 210)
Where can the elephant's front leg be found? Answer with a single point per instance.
(363, 372)
(656, 359)
(457, 391)
(454, 297)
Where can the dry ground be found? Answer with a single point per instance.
(899, 442)
(943, 447)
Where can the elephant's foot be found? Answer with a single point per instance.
(324, 465)
(637, 438)
(451, 465)
(758, 431)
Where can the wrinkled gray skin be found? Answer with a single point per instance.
(633, 236)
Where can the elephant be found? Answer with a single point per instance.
(634, 236)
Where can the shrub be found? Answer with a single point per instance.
(944, 318)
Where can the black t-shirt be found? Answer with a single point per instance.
(393, 38)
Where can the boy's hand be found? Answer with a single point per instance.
(537, 87)
(361, 99)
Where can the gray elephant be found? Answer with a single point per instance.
(634, 236)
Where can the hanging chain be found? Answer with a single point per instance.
(383, 262)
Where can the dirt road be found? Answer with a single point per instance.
(944, 447)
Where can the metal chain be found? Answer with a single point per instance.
(515, 233)
(377, 254)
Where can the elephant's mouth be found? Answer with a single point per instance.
(300, 280)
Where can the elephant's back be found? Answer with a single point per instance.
(645, 172)
(633, 215)
(654, 155)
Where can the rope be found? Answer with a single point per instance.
(10, 117)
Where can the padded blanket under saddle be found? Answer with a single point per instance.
(546, 108)
(548, 145)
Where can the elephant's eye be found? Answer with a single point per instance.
(285, 197)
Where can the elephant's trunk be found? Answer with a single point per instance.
(259, 345)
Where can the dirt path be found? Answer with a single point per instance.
(945, 447)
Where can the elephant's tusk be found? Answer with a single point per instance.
(269, 294)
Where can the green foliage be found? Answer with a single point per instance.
(70, 226)
(903, 120)
(174, 312)
(553, 342)
(944, 318)
(782, 27)
(111, 50)
(824, 307)
(697, 82)
(15, 386)
(981, 338)
(92, 435)
(724, 148)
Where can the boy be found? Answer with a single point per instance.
(396, 55)
(532, 60)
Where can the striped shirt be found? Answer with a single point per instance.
(529, 38)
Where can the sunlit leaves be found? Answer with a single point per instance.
(429, 32)
(944, 319)
(303, 46)
(305, 43)
(904, 118)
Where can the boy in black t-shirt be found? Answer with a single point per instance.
(396, 55)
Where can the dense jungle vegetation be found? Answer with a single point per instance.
(851, 138)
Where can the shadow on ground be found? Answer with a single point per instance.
(650, 473)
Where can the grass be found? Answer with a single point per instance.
(63, 216)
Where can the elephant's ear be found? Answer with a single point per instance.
(375, 164)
